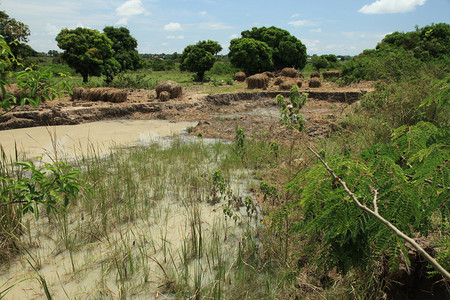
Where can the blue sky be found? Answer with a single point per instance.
(343, 27)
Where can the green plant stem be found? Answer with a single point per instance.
(388, 224)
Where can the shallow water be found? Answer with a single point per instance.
(70, 141)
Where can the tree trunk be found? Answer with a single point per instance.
(85, 77)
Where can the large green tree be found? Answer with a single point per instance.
(250, 55)
(89, 52)
(16, 35)
(124, 46)
(288, 51)
(200, 57)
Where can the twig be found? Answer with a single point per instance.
(388, 224)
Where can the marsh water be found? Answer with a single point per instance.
(69, 141)
(153, 226)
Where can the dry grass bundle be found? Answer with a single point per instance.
(104, 94)
(289, 72)
(164, 96)
(278, 81)
(269, 74)
(315, 82)
(77, 92)
(174, 88)
(329, 74)
(240, 76)
(258, 81)
(286, 86)
(315, 75)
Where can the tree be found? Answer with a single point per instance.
(124, 46)
(427, 42)
(89, 52)
(200, 57)
(250, 55)
(16, 35)
(288, 51)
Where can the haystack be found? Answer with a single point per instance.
(289, 72)
(269, 74)
(257, 81)
(174, 88)
(101, 94)
(240, 76)
(315, 82)
(278, 81)
(315, 74)
(164, 96)
(286, 86)
(77, 92)
(330, 74)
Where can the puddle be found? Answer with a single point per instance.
(268, 113)
(69, 141)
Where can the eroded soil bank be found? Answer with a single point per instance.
(217, 115)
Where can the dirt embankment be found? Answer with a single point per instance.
(218, 114)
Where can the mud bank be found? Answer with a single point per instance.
(83, 112)
(226, 99)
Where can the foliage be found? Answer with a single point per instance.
(428, 42)
(89, 52)
(250, 55)
(200, 57)
(15, 34)
(288, 51)
(124, 46)
(324, 61)
(239, 142)
(34, 85)
(410, 175)
(291, 116)
(52, 187)
(400, 55)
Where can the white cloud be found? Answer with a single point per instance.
(172, 27)
(122, 21)
(234, 36)
(299, 23)
(391, 6)
(202, 13)
(52, 29)
(316, 30)
(131, 8)
(295, 16)
(175, 37)
(310, 43)
(214, 26)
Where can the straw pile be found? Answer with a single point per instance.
(329, 74)
(289, 72)
(240, 76)
(257, 81)
(315, 82)
(173, 88)
(315, 75)
(100, 94)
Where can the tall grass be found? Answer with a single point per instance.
(146, 226)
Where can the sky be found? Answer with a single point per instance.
(341, 27)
